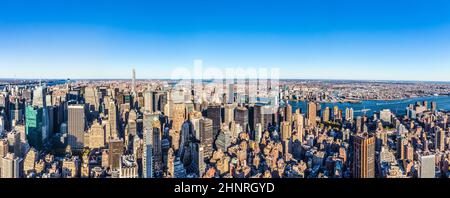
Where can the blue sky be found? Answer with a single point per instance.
(327, 39)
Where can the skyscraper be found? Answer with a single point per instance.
(76, 125)
(147, 157)
(427, 166)
(148, 101)
(326, 114)
(364, 156)
(178, 116)
(214, 113)
(91, 98)
(116, 150)
(133, 82)
(349, 114)
(229, 113)
(288, 112)
(433, 106)
(11, 166)
(439, 139)
(241, 117)
(33, 126)
(113, 119)
(312, 114)
(206, 136)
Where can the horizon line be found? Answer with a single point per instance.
(280, 79)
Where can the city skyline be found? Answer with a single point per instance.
(379, 40)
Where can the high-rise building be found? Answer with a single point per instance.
(157, 148)
(201, 160)
(39, 95)
(178, 116)
(299, 125)
(288, 112)
(133, 82)
(34, 126)
(336, 115)
(2, 124)
(286, 130)
(364, 156)
(439, 139)
(326, 114)
(241, 117)
(116, 150)
(257, 116)
(312, 114)
(433, 106)
(229, 113)
(147, 157)
(14, 143)
(349, 114)
(148, 101)
(3, 152)
(214, 113)
(96, 136)
(427, 166)
(11, 166)
(223, 140)
(206, 136)
(113, 120)
(76, 125)
(386, 115)
(92, 99)
(29, 161)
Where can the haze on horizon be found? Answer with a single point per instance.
(324, 39)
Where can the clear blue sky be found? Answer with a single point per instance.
(331, 39)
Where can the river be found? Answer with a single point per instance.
(373, 106)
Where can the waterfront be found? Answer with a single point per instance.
(372, 106)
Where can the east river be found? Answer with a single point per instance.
(373, 106)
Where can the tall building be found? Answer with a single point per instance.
(3, 152)
(92, 99)
(427, 166)
(349, 114)
(148, 101)
(312, 114)
(116, 150)
(364, 156)
(133, 82)
(76, 125)
(257, 116)
(113, 119)
(439, 139)
(386, 115)
(286, 130)
(326, 114)
(178, 116)
(299, 125)
(201, 160)
(34, 126)
(147, 157)
(29, 161)
(11, 166)
(241, 117)
(228, 113)
(14, 143)
(157, 148)
(39, 94)
(206, 136)
(214, 113)
(288, 112)
(96, 136)
(433, 106)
